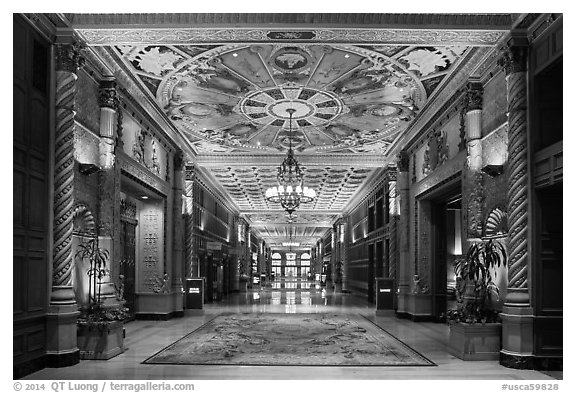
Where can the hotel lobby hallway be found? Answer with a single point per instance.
(145, 338)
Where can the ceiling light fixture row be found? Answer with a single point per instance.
(290, 191)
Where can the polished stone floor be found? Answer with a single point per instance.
(145, 338)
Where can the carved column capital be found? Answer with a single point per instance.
(473, 97)
(403, 161)
(108, 95)
(391, 174)
(513, 58)
(69, 57)
(189, 172)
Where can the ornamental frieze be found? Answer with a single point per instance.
(384, 36)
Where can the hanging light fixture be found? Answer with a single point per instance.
(290, 191)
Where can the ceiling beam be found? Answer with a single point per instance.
(330, 160)
(281, 211)
(294, 225)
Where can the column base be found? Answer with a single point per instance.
(57, 360)
(517, 337)
(519, 362)
(416, 307)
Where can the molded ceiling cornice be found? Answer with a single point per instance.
(443, 21)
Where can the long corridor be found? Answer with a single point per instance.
(145, 338)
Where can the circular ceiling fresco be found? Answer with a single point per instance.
(346, 98)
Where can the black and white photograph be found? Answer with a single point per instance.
(288, 200)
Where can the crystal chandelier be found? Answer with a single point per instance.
(290, 191)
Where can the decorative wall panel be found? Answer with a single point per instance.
(139, 143)
(150, 247)
(86, 145)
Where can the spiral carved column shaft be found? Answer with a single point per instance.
(517, 189)
(191, 261)
(61, 330)
(517, 314)
(64, 178)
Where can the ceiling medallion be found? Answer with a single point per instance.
(290, 191)
(312, 107)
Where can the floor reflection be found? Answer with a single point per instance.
(297, 295)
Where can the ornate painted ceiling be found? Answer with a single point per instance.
(233, 98)
(226, 87)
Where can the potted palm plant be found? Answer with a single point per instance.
(475, 327)
(100, 325)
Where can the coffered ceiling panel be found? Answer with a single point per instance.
(302, 227)
(334, 186)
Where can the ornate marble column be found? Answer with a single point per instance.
(191, 258)
(109, 186)
(517, 315)
(178, 239)
(62, 349)
(474, 178)
(393, 212)
(403, 187)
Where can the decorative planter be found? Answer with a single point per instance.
(475, 341)
(101, 341)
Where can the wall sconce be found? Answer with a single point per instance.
(493, 170)
(88, 169)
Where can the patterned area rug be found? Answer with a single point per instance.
(290, 340)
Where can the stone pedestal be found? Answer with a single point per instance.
(417, 307)
(61, 345)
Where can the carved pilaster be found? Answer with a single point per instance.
(109, 187)
(68, 61)
(474, 203)
(179, 225)
(403, 225)
(393, 210)
(473, 178)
